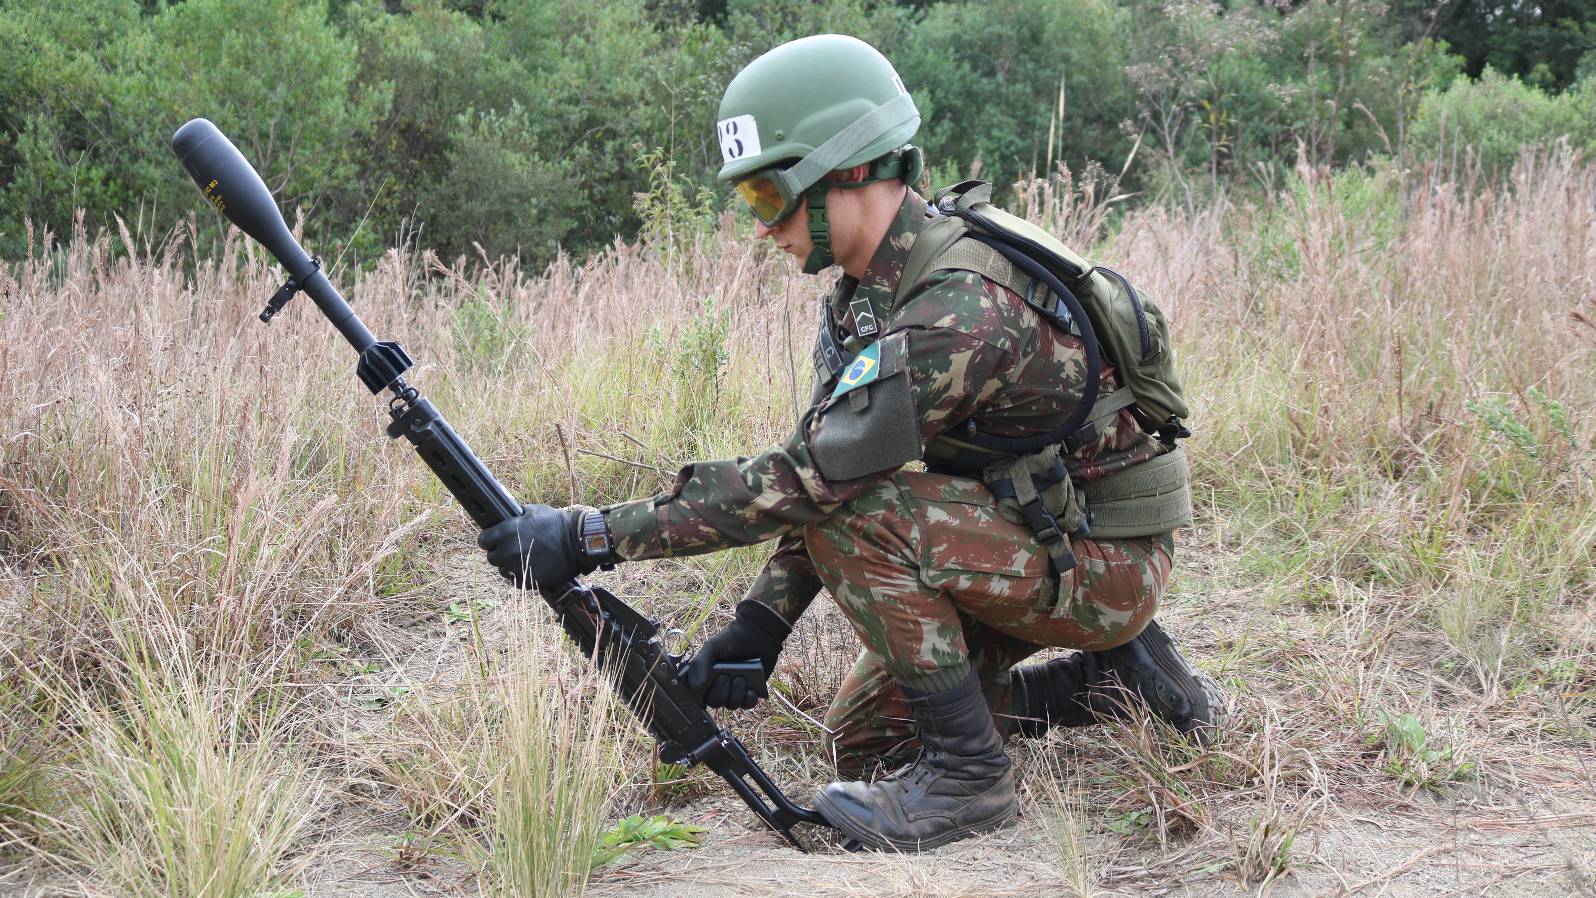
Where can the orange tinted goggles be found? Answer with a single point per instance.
(766, 197)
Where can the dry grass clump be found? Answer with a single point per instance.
(515, 768)
(185, 787)
(1059, 794)
(27, 731)
(559, 761)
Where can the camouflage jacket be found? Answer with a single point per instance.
(974, 348)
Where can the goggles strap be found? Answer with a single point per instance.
(885, 168)
(859, 134)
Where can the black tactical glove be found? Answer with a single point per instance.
(548, 546)
(756, 635)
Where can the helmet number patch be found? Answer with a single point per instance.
(739, 138)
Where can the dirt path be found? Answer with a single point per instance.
(1479, 854)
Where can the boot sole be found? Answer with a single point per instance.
(1207, 731)
(877, 841)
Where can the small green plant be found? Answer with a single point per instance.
(1557, 414)
(1411, 755)
(398, 573)
(1266, 855)
(1131, 822)
(660, 830)
(464, 613)
(483, 335)
(1494, 413)
(674, 783)
(1500, 420)
(697, 359)
(673, 211)
(408, 848)
(381, 697)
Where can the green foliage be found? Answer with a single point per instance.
(1556, 414)
(1363, 194)
(512, 127)
(991, 92)
(660, 830)
(678, 784)
(672, 211)
(696, 358)
(1545, 43)
(91, 93)
(484, 338)
(1498, 115)
(467, 612)
(1411, 755)
(1500, 420)
(1130, 823)
(1519, 434)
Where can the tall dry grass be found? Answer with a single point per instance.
(1393, 414)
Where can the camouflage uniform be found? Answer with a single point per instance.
(934, 575)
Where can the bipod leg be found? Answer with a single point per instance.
(732, 762)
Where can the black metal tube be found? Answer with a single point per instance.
(337, 309)
(233, 186)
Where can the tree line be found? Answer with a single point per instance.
(532, 126)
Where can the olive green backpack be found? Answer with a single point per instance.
(1028, 475)
(1113, 320)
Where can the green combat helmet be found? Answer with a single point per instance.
(806, 108)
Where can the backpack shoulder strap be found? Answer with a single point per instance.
(929, 245)
(971, 255)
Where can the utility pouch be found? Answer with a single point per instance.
(1144, 500)
(869, 424)
(1036, 490)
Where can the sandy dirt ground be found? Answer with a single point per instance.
(1524, 825)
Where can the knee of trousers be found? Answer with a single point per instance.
(877, 525)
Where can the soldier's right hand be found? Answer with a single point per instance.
(757, 633)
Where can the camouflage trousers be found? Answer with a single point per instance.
(936, 580)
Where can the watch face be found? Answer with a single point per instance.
(597, 544)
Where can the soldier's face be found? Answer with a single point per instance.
(791, 234)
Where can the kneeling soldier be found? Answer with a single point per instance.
(932, 350)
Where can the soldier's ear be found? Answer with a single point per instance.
(849, 175)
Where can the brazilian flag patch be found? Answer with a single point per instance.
(862, 370)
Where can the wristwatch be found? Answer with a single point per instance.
(595, 543)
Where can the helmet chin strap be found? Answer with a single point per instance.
(904, 164)
(820, 257)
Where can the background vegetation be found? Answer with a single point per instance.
(528, 126)
(248, 647)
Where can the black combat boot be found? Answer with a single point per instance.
(1077, 689)
(960, 785)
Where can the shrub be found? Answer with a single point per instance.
(1498, 116)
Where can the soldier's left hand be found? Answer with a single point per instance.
(542, 545)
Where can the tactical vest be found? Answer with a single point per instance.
(1029, 475)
